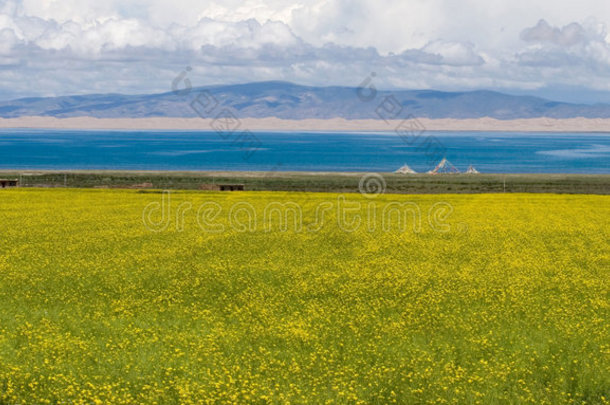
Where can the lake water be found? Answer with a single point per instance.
(304, 151)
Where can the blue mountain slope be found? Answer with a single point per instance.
(291, 101)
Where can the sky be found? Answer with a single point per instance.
(557, 49)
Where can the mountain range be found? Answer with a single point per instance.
(291, 101)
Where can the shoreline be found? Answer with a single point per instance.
(329, 182)
(265, 174)
(574, 125)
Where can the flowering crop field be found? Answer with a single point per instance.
(119, 296)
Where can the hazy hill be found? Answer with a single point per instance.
(291, 101)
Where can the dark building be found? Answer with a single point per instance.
(231, 187)
(4, 183)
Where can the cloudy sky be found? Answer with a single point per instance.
(554, 48)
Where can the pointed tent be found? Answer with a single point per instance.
(405, 169)
(472, 170)
(444, 166)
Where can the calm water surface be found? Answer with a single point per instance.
(311, 151)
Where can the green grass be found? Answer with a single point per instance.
(325, 182)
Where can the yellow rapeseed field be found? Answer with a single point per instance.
(125, 297)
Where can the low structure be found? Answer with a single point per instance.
(405, 169)
(231, 187)
(222, 187)
(472, 170)
(4, 183)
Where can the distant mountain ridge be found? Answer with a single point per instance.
(291, 101)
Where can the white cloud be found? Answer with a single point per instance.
(573, 49)
(570, 35)
(445, 53)
(80, 46)
(242, 34)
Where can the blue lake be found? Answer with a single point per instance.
(491, 152)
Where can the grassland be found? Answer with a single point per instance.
(320, 182)
(507, 302)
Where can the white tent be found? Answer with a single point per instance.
(472, 170)
(405, 169)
